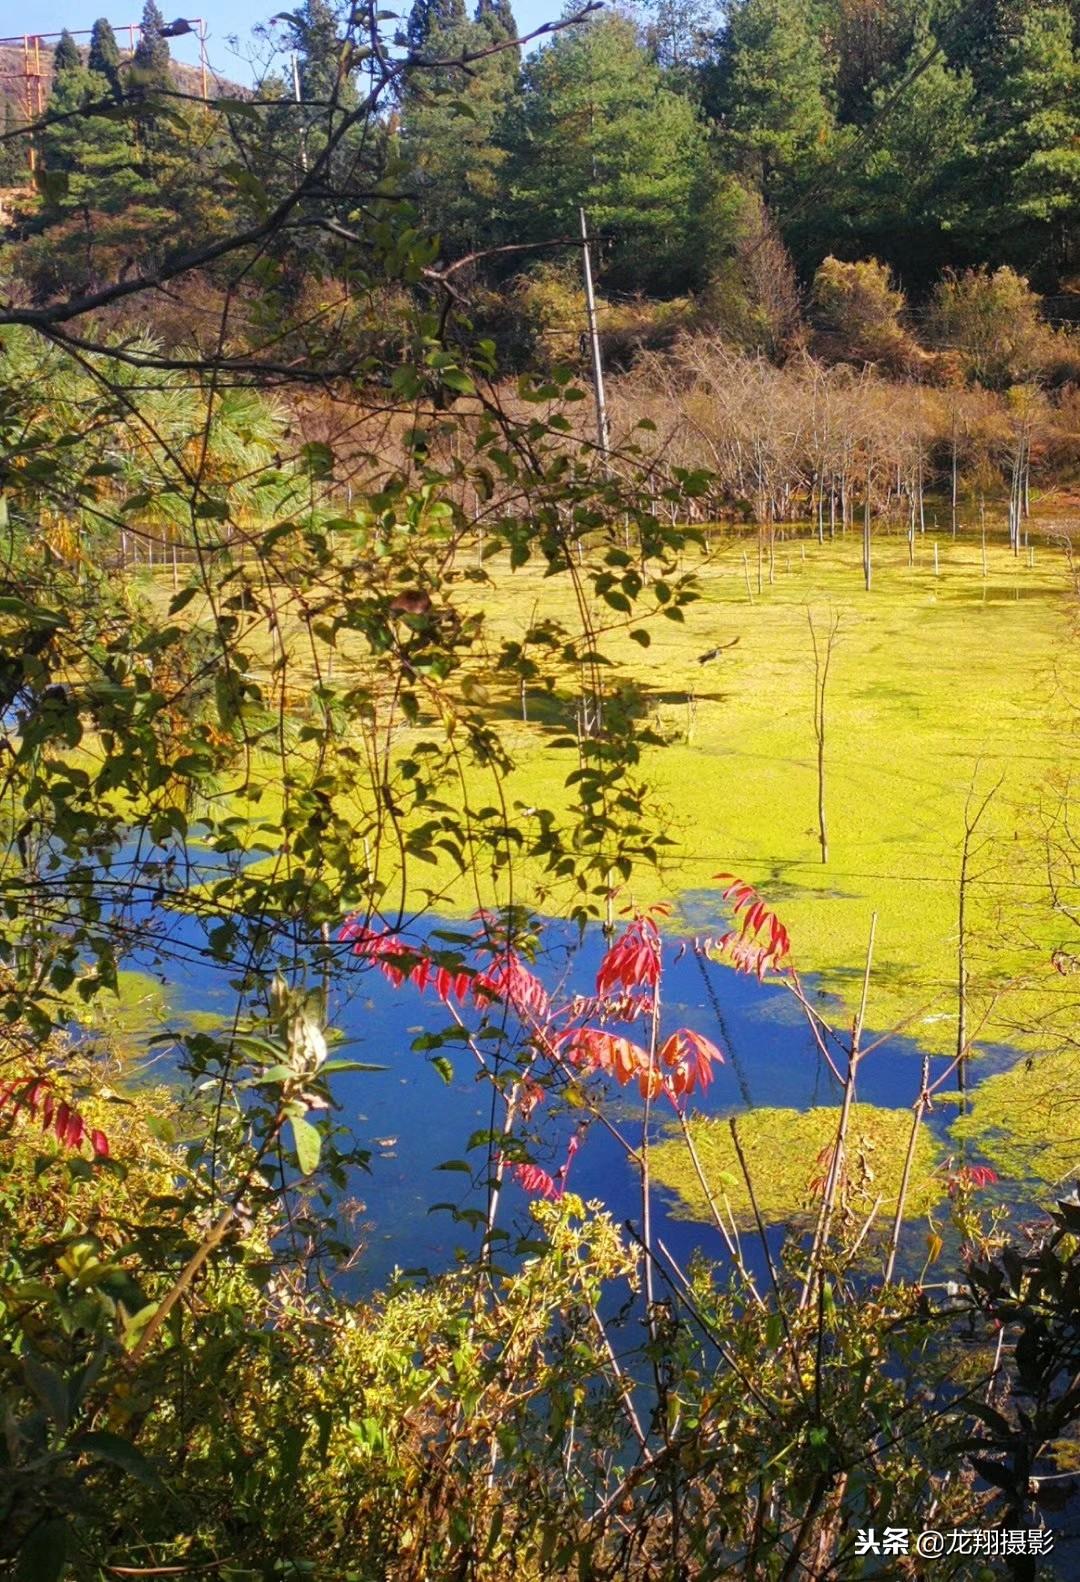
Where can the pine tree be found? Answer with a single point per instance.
(151, 58)
(96, 153)
(498, 16)
(1039, 145)
(771, 92)
(866, 42)
(913, 190)
(432, 16)
(1025, 195)
(598, 127)
(313, 29)
(66, 58)
(497, 24)
(13, 163)
(104, 57)
(454, 159)
(680, 35)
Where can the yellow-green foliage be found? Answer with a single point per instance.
(787, 1153)
(1027, 1120)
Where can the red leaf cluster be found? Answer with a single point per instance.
(509, 980)
(56, 1115)
(683, 1062)
(688, 1058)
(760, 940)
(970, 1178)
(615, 1008)
(633, 962)
(505, 978)
(537, 1182)
(595, 1049)
(402, 963)
(531, 1178)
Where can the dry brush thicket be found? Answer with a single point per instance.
(813, 441)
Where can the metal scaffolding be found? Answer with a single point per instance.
(36, 65)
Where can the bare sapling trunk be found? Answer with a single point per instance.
(968, 851)
(952, 497)
(921, 1105)
(835, 1175)
(823, 653)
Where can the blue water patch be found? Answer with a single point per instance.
(413, 1120)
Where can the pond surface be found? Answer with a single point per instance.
(413, 1120)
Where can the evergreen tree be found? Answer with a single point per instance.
(13, 161)
(680, 35)
(328, 90)
(432, 16)
(866, 43)
(95, 153)
(497, 24)
(151, 58)
(313, 28)
(453, 158)
(498, 15)
(1037, 149)
(66, 58)
(913, 193)
(771, 92)
(598, 127)
(104, 57)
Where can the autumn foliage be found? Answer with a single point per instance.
(39, 1100)
(582, 1037)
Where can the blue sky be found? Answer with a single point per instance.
(223, 17)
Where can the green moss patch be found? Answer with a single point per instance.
(938, 682)
(787, 1150)
(1027, 1120)
(140, 1003)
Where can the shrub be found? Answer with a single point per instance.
(992, 321)
(857, 309)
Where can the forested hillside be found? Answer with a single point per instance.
(929, 134)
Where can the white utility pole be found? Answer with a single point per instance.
(602, 434)
(296, 96)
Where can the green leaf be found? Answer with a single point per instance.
(444, 1068)
(49, 1388)
(351, 1065)
(44, 1551)
(52, 184)
(121, 1452)
(317, 458)
(308, 1144)
(455, 379)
